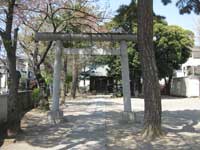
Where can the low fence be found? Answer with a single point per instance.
(186, 86)
(25, 103)
(3, 108)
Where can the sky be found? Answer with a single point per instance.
(171, 13)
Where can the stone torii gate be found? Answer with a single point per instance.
(127, 115)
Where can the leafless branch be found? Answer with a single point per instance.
(45, 53)
(2, 20)
(83, 24)
(3, 61)
(1, 32)
(76, 10)
(26, 51)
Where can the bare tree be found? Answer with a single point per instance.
(9, 38)
(56, 18)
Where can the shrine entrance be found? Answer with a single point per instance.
(122, 38)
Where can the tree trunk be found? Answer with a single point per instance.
(43, 103)
(168, 85)
(13, 123)
(10, 44)
(152, 98)
(14, 112)
(74, 77)
(65, 80)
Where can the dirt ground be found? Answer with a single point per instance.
(94, 124)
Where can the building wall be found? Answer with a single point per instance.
(86, 86)
(3, 83)
(186, 86)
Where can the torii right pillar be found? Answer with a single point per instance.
(127, 115)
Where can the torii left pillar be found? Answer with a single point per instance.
(56, 114)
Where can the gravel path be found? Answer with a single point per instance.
(93, 124)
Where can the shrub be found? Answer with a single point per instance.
(36, 95)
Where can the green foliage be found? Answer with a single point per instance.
(186, 6)
(68, 79)
(48, 77)
(172, 43)
(172, 47)
(115, 65)
(127, 16)
(36, 95)
(22, 83)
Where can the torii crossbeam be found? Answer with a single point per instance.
(117, 37)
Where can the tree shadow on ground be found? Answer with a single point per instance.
(81, 130)
(182, 132)
(99, 103)
(167, 97)
(101, 129)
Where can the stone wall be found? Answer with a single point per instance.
(3, 108)
(25, 100)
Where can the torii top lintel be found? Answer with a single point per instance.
(49, 36)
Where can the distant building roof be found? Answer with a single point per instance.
(96, 70)
(100, 70)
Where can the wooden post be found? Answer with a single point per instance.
(125, 76)
(55, 113)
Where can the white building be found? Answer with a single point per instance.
(187, 80)
(22, 66)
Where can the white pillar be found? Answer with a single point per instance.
(125, 76)
(56, 76)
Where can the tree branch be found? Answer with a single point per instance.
(9, 17)
(15, 38)
(76, 10)
(45, 54)
(2, 20)
(1, 32)
(25, 50)
(82, 24)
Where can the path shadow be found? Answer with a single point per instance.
(81, 130)
(99, 103)
(84, 130)
(182, 121)
(166, 97)
(100, 129)
(182, 132)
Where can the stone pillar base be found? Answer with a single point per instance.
(55, 117)
(127, 117)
